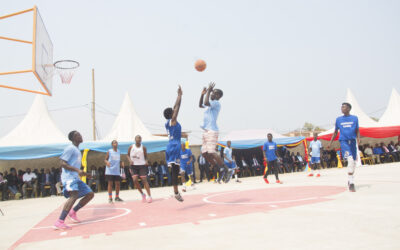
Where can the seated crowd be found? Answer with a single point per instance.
(24, 184)
(380, 153)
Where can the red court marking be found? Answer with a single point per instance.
(109, 218)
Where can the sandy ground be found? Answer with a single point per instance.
(366, 219)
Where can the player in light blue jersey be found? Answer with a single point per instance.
(74, 188)
(173, 150)
(315, 149)
(349, 137)
(209, 99)
(114, 165)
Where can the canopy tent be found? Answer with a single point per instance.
(391, 116)
(244, 139)
(38, 137)
(37, 128)
(369, 127)
(128, 124)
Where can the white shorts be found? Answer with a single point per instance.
(210, 139)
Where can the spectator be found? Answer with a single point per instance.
(102, 178)
(325, 160)
(151, 175)
(47, 179)
(3, 187)
(398, 147)
(204, 168)
(255, 166)
(386, 152)
(94, 180)
(369, 153)
(162, 173)
(286, 162)
(301, 162)
(13, 183)
(333, 157)
(377, 150)
(29, 180)
(393, 151)
(245, 167)
(57, 179)
(193, 167)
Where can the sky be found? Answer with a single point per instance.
(279, 63)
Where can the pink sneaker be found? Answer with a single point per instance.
(143, 198)
(149, 199)
(60, 225)
(73, 217)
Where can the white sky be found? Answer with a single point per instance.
(279, 63)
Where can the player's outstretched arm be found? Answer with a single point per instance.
(177, 106)
(128, 156)
(209, 90)
(203, 92)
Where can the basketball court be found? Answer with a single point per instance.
(303, 213)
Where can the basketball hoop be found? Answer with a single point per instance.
(66, 69)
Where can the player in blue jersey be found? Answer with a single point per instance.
(211, 98)
(186, 166)
(349, 136)
(315, 149)
(271, 154)
(74, 188)
(173, 151)
(113, 171)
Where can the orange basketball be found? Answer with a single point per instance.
(200, 65)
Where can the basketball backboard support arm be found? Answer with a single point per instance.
(41, 75)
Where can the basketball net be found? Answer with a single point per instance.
(66, 75)
(66, 70)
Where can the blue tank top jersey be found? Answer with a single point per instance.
(115, 160)
(174, 132)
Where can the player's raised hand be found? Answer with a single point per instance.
(204, 91)
(211, 86)
(180, 90)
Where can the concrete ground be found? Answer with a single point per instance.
(303, 213)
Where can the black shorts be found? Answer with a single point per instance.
(139, 170)
(113, 178)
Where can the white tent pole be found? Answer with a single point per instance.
(93, 107)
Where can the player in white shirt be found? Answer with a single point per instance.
(315, 150)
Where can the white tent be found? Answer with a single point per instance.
(391, 117)
(128, 124)
(37, 128)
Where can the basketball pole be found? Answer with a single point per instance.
(93, 107)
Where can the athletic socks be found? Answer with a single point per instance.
(351, 179)
(63, 215)
(236, 177)
(110, 195)
(77, 207)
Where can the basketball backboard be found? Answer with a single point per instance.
(37, 77)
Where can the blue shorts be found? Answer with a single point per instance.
(348, 148)
(173, 154)
(187, 168)
(76, 185)
(231, 165)
(315, 160)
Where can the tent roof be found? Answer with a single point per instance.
(363, 119)
(128, 124)
(37, 128)
(243, 139)
(391, 117)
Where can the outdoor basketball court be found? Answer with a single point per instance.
(303, 213)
